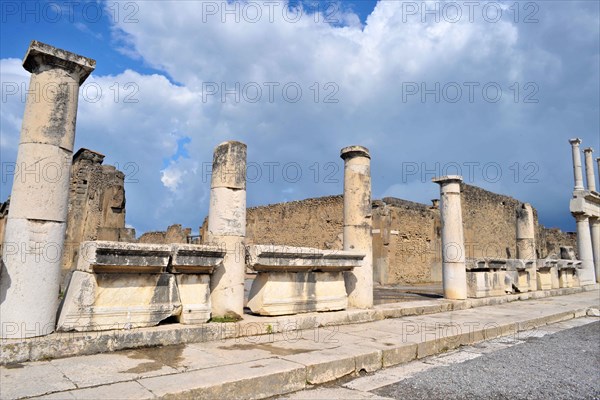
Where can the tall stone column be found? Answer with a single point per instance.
(589, 169)
(525, 233)
(595, 231)
(577, 173)
(454, 274)
(227, 228)
(358, 223)
(35, 228)
(584, 247)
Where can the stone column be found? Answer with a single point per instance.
(227, 228)
(584, 247)
(577, 173)
(35, 229)
(595, 230)
(454, 274)
(525, 233)
(598, 162)
(589, 169)
(358, 223)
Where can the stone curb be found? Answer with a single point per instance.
(68, 344)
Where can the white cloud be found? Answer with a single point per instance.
(368, 70)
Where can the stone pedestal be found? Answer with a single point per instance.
(568, 273)
(485, 278)
(453, 246)
(120, 285)
(589, 169)
(547, 274)
(227, 228)
(35, 228)
(577, 172)
(294, 280)
(358, 224)
(525, 233)
(587, 273)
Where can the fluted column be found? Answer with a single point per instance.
(589, 169)
(577, 173)
(454, 275)
(227, 228)
(358, 223)
(35, 228)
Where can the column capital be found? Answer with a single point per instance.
(575, 141)
(580, 216)
(354, 151)
(41, 57)
(442, 180)
(588, 150)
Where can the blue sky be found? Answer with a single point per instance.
(492, 91)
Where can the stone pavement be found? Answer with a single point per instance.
(281, 362)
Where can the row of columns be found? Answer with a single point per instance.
(227, 226)
(36, 222)
(588, 225)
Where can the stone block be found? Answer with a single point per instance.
(485, 278)
(284, 293)
(194, 293)
(547, 274)
(292, 280)
(195, 259)
(102, 301)
(123, 257)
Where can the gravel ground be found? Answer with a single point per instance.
(564, 365)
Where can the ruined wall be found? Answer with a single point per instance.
(489, 223)
(553, 238)
(312, 223)
(174, 234)
(96, 206)
(406, 235)
(406, 242)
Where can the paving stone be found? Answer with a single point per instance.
(31, 379)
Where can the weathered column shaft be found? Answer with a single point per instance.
(454, 274)
(584, 247)
(589, 169)
(595, 231)
(227, 228)
(35, 228)
(358, 223)
(577, 173)
(525, 233)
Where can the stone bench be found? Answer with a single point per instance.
(485, 277)
(293, 280)
(119, 285)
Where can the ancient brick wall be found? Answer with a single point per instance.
(312, 222)
(489, 223)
